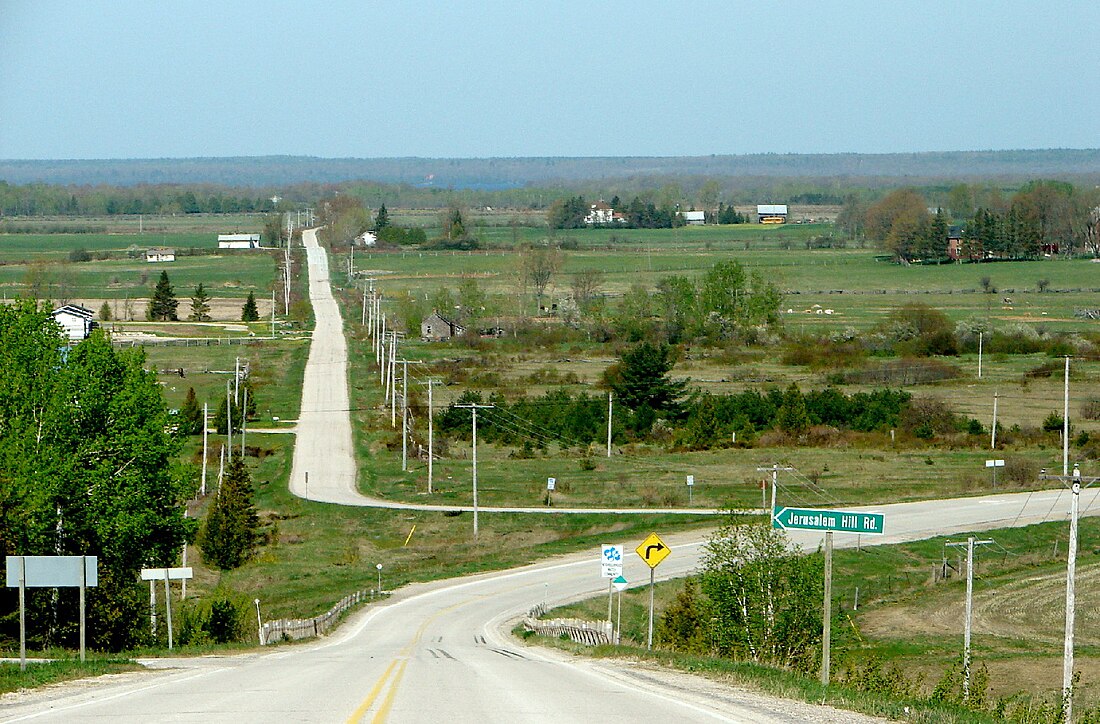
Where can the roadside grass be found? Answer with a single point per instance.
(776, 682)
(43, 673)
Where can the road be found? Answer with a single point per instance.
(441, 651)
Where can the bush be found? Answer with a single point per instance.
(226, 622)
(79, 255)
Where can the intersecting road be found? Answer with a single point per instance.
(440, 652)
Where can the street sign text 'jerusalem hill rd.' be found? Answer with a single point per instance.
(837, 521)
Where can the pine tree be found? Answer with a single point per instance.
(105, 312)
(200, 305)
(191, 419)
(162, 307)
(382, 219)
(232, 529)
(249, 313)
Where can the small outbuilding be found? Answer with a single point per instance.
(694, 218)
(76, 322)
(238, 241)
(437, 328)
(367, 238)
(160, 255)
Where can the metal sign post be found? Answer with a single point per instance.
(50, 572)
(652, 550)
(550, 482)
(620, 585)
(611, 567)
(691, 485)
(994, 464)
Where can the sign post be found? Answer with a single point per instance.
(829, 521)
(691, 485)
(550, 492)
(994, 464)
(164, 574)
(620, 586)
(611, 567)
(50, 572)
(652, 550)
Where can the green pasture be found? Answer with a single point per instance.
(56, 247)
(223, 275)
(145, 226)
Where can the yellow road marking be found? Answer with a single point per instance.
(362, 710)
(384, 709)
(403, 657)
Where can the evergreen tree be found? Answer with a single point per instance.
(232, 529)
(249, 313)
(162, 307)
(640, 379)
(105, 312)
(191, 420)
(382, 218)
(792, 417)
(200, 305)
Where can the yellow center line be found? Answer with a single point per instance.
(403, 657)
(362, 710)
(384, 709)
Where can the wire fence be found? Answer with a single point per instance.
(292, 629)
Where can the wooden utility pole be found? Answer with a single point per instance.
(430, 441)
(774, 470)
(1075, 480)
(405, 411)
(970, 543)
(609, 394)
(473, 409)
(827, 615)
(202, 487)
(993, 432)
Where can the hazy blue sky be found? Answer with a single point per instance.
(159, 78)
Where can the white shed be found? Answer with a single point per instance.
(694, 218)
(160, 255)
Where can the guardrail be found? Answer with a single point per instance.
(292, 629)
(579, 631)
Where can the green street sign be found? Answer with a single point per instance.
(837, 521)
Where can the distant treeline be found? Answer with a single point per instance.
(46, 200)
(517, 172)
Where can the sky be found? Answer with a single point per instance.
(359, 78)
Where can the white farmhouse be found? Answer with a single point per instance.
(599, 213)
(238, 241)
(76, 321)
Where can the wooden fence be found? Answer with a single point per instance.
(291, 629)
(579, 631)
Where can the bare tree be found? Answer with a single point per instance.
(586, 286)
(538, 266)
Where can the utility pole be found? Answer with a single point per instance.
(774, 470)
(202, 488)
(993, 432)
(970, 543)
(393, 380)
(1075, 481)
(272, 314)
(430, 441)
(473, 409)
(609, 394)
(979, 355)
(405, 411)
(229, 420)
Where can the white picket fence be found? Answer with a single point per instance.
(579, 631)
(291, 629)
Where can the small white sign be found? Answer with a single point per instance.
(611, 561)
(994, 463)
(691, 480)
(550, 482)
(619, 584)
(159, 574)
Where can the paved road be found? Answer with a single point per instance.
(440, 652)
(324, 465)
